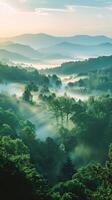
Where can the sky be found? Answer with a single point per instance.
(55, 17)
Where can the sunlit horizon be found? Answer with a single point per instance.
(31, 17)
(55, 35)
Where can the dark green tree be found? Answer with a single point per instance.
(27, 96)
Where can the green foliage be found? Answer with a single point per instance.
(62, 108)
(55, 80)
(8, 123)
(93, 125)
(18, 177)
(104, 191)
(27, 96)
(26, 161)
(98, 80)
(67, 170)
(83, 66)
(28, 75)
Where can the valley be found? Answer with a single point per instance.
(55, 100)
(42, 50)
(55, 118)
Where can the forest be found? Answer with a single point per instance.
(23, 75)
(55, 147)
(88, 65)
(98, 80)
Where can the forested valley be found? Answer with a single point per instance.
(54, 146)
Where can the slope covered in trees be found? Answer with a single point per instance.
(26, 75)
(83, 66)
(31, 162)
(72, 161)
(99, 80)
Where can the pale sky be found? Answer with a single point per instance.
(56, 17)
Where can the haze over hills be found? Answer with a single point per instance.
(78, 50)
(25, 50)
(43, 40)
(11, 56)
(91, 64)
(56, 99)
(43, 48)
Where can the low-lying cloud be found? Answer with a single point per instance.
(35, 4)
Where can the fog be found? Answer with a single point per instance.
(47, 64)
(14, 89)
(39, 114)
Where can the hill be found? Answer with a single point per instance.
(42, 40)
(44, 48)
(24, 50)
(8, 56)
(91, 64)
(76, 50)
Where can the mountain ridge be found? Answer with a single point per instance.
(102, 62)
(40, 40)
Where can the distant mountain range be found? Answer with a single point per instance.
(42, 40)
(24, 50)
(78, 50)
(11, 56)
(42, 47)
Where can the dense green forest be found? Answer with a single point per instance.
(99, 80)
(83, 66)
(25, 75)
(72, 163)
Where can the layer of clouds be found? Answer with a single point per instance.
(46, 11)
(49, 16)
(34, 4)
(94, 3)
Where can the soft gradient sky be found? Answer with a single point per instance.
(57, 17)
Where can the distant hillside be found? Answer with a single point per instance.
(99, 80)
(27, 76)
(43, 48)
(24, 50)
(36, 40)
(8, 56)
(92, 64)
(42, 40)
(89, 40)
(27, 52)
(77, 50)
